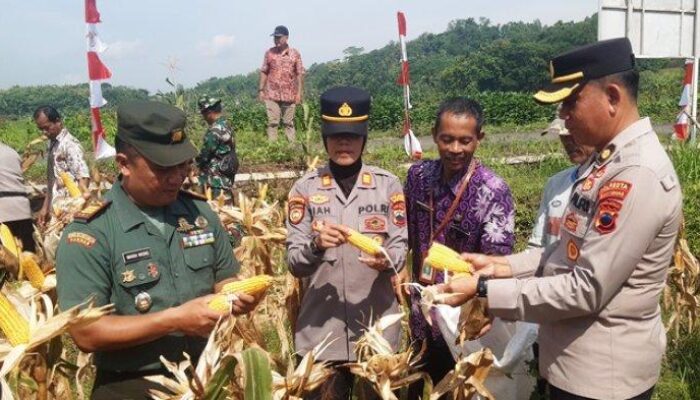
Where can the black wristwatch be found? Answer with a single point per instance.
(314, 247)
(481, 286)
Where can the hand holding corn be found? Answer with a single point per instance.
(241, 297)
(330, 235)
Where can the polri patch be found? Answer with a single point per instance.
(572, 251)
(296, 207)
(82, 239)
(136, 255)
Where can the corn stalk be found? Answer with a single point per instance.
(681, 299)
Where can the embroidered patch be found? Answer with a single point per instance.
(605, 222)
(553, 226)
(571, 222)
(374, 224)
(572, 251)
(587, 184)
(398, 213)
(136, 255)
(296, 207)
(614, 190)
(82, 239)
(153, 270)
(318, 199)
(397, 197)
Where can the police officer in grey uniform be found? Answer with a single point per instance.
(601, 334)
(155, 252)
(344, 289)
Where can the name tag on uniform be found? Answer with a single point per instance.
(136, 255)
(197, 238)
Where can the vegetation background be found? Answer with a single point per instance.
(499, 65)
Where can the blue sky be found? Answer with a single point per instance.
(43, 41)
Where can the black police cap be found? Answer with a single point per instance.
(344, 110)
(569, 70)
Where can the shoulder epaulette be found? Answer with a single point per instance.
(93, 209)
(194, 195)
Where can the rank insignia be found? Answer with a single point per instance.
(366, 178)
(91, 211)
(143, 302)
(326, 181)
(318, 199)
(153, 270)
(183, 225)
(128, 276)
(201, 222)
(587, 184)
(81, 238)
(599, 172)
(177, 136)
(296, 207)
(572, 251)
(606, 153)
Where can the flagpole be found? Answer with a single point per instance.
(694, 112)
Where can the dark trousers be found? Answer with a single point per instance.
(558, 394)
(24, 230)
(339, 387)
(437, 362)
(123, 386)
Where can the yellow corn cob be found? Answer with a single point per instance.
(207, 192)
(365, 243)
(251, 286)
(8, 240)
(12, 324)
(221, 199)
(443, 257)
(70, 185)
(31, 270)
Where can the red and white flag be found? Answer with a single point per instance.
(410, 141)
(681, 127)
(97, 72)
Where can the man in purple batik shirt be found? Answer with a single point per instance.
(483, 220)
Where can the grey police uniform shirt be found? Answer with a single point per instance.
(601, 334)
(341, 294)
(12, 208)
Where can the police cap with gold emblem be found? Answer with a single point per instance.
(344, 110)
(156, 130)
(570, 70)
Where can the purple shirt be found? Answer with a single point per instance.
(483, 222)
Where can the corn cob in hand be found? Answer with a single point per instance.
(443, 257)
(71, 186)
(365, 243)
(12, 324)
(251, 286)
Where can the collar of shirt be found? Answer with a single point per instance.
(129, 214)
(60, 137)
(628, 135)
(435, 181)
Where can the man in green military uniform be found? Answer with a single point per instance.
(217, 160)
(154, 251)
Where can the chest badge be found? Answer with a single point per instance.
(318, 199)
(184, 226)
(128, 276)
(153, 270)
(201, 222)
(143, 302)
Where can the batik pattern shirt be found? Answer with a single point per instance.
(65, 154)
(483, 222)
(282, 69)
(218, 142)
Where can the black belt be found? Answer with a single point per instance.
(13, 194)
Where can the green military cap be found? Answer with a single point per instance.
(570, 70)
(207, 101)
(345, 110)
(156, 130)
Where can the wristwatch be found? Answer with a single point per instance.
(314, 247)
(481, 286)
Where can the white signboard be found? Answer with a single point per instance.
(656, 28)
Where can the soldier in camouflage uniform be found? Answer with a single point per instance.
(218, 153)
